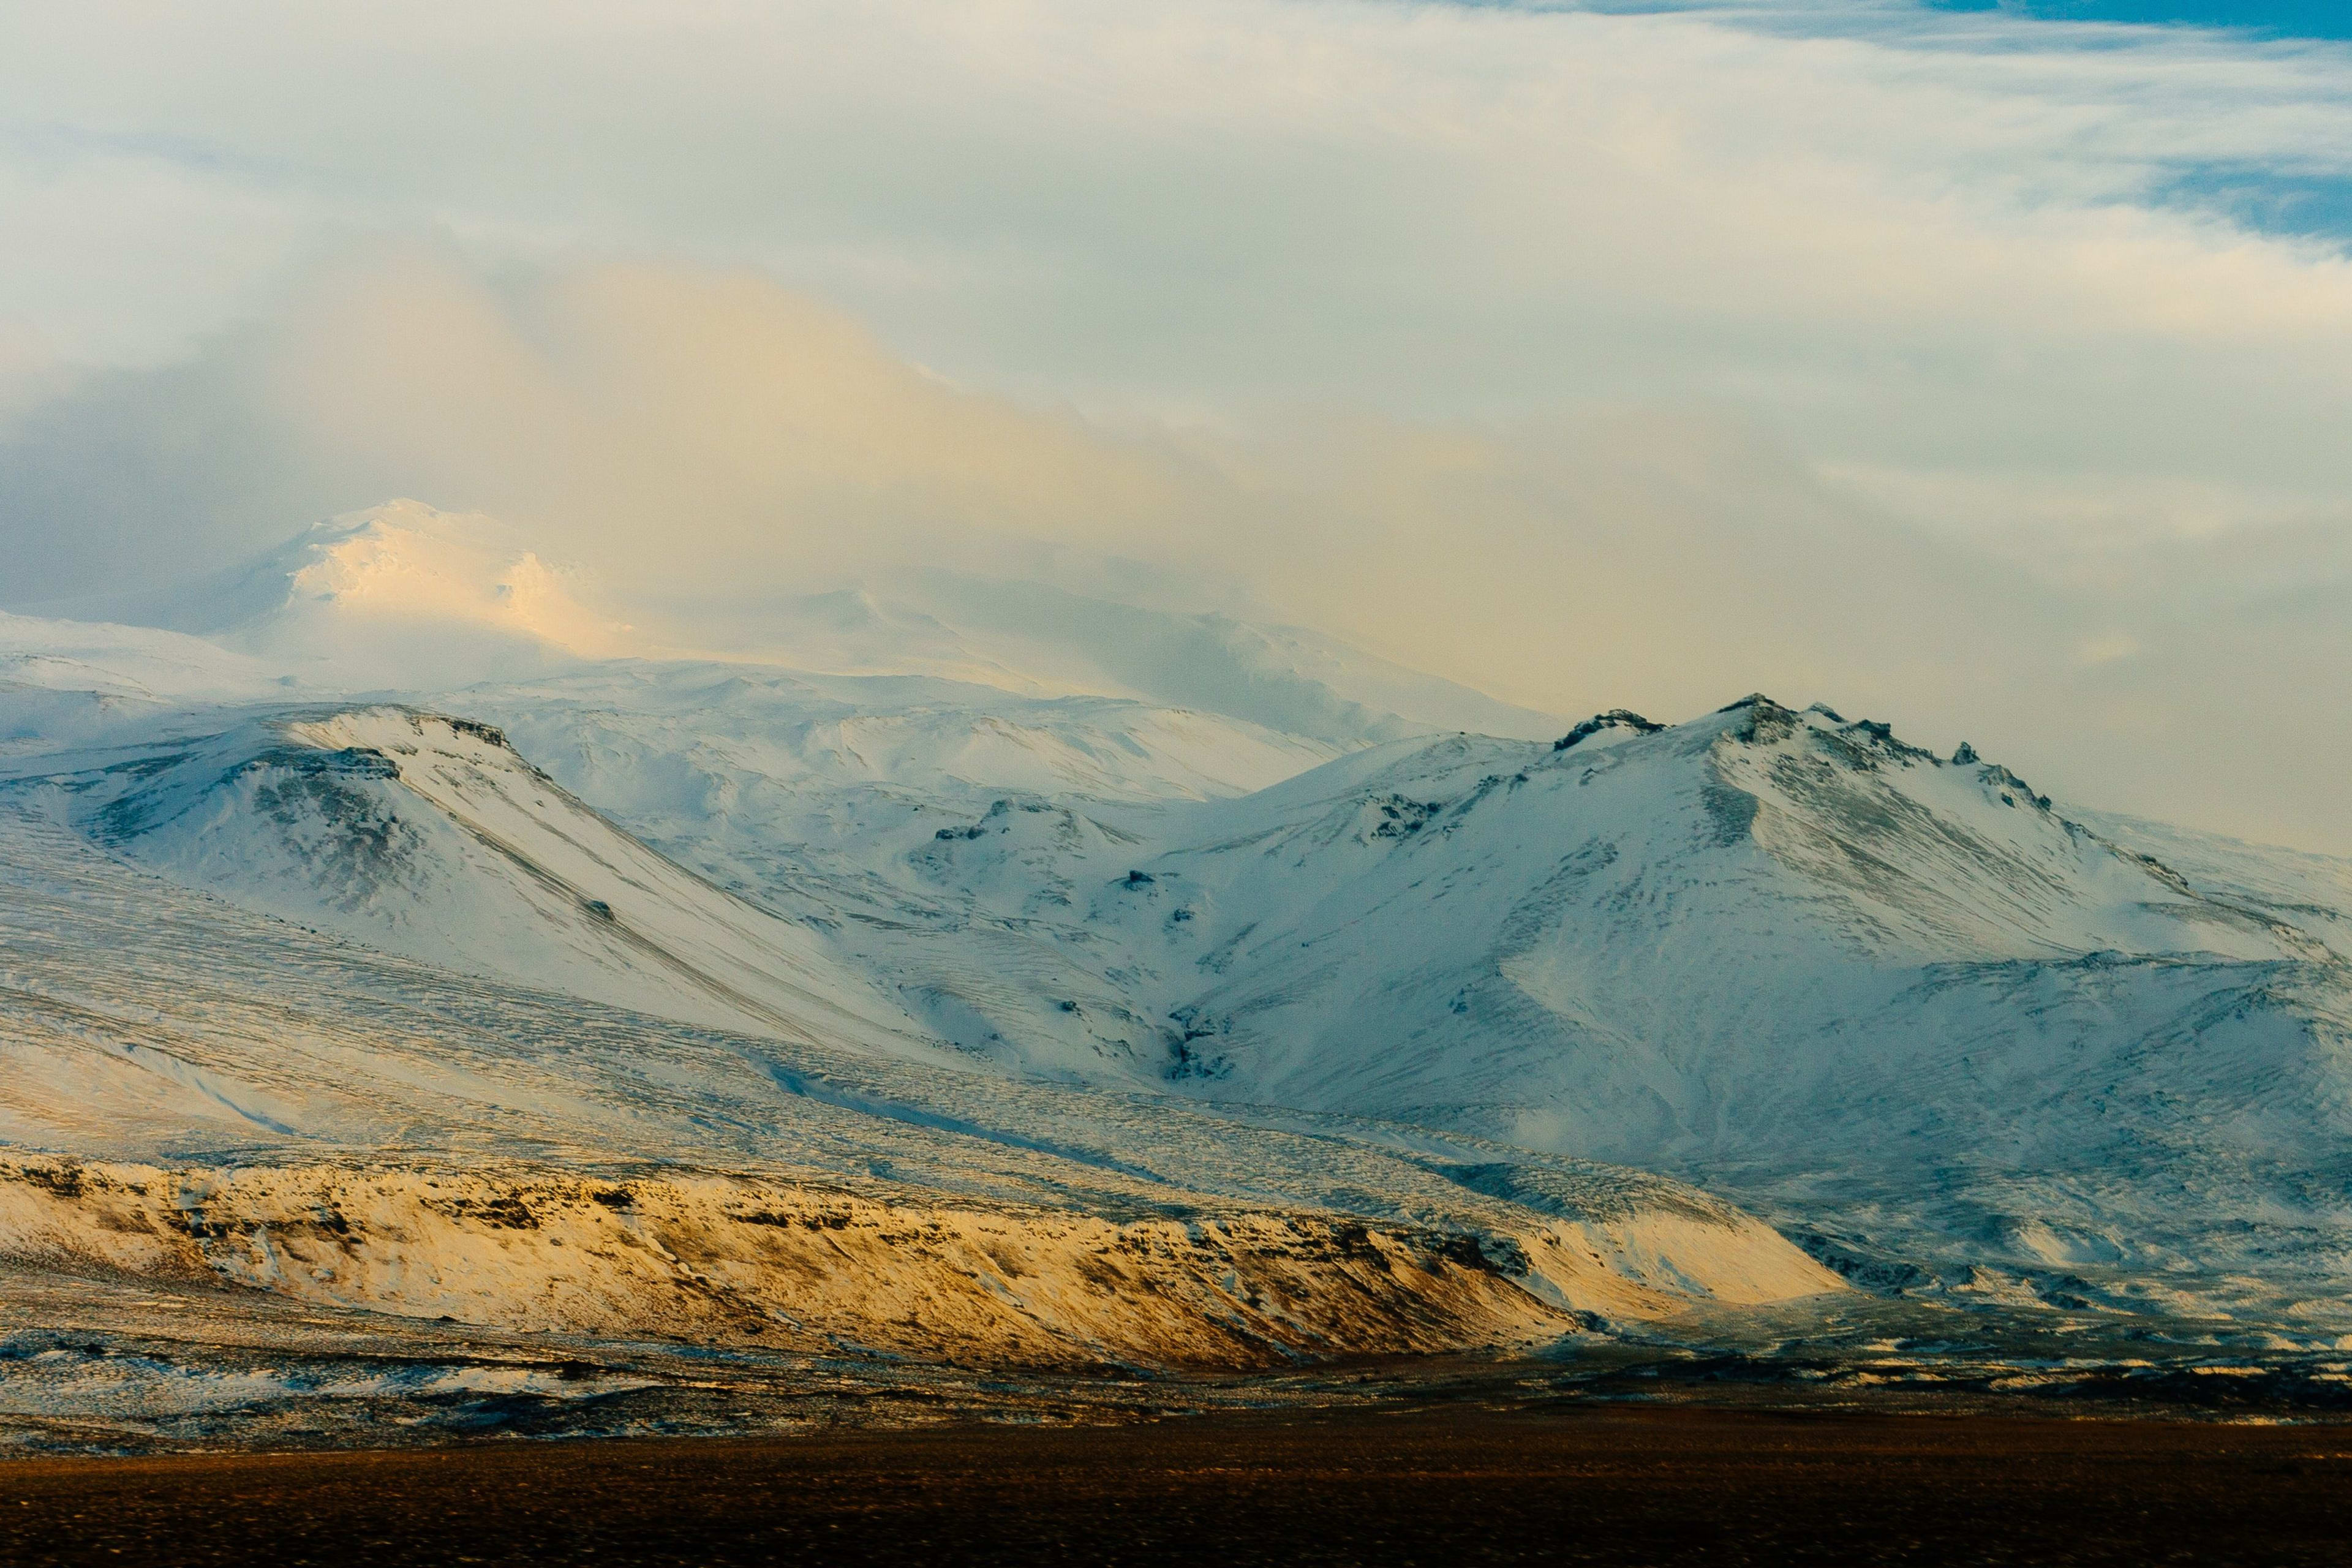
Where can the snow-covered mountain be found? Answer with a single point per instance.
(428, 837)
(1000, 895)
(1902, 999)
(1785, 951)
(191, 1088)
(398, 596)
(405, 597)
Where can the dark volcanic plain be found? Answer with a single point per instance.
(1571, 1484)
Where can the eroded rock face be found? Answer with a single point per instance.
(737, 1260)
(743, 1260)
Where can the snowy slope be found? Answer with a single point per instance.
(1902, 997)
(430, 836)
(132, 662)
(721, 728)
(71, 682)
(1777, 949)
(192, 1091)
(809, 793)
(1965, 1038)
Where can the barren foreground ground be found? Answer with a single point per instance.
(1596, 1484)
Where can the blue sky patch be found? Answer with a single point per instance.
(2286, 18)
(2310, 206)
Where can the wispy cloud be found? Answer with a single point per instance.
(1589, 354)
(709, 438)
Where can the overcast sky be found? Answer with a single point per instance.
(1985, 368)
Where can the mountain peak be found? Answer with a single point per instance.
(1615, 718)
(406, 559)
(403, 593)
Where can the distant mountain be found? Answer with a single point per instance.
(71, 682)
(398, 596)
(405, 597)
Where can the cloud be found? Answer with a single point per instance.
(706, 441)
(1910, 238)
(1901, 357)
(1922, 244)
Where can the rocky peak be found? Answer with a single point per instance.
(1615, 718)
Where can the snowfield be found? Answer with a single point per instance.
(1032, 1000)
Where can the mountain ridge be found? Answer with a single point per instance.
(1605, 1024)
(1767, 947)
